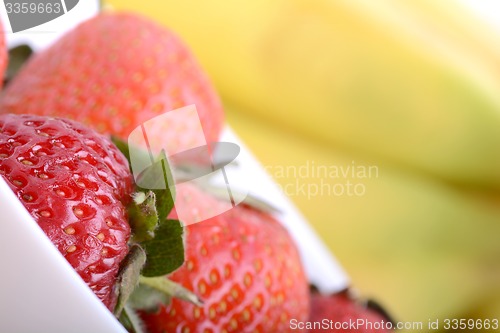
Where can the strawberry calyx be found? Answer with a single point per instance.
(169, 287)
(129, 276)
(147, 296)
(17, 57)
(156, 246)
(143, 216)
(131, 320)
(165, 252)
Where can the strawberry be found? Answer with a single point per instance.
(75, 183)
(341, 309)
(243, 265)
(115, 72)
(3, 56)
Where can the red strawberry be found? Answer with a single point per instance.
(3, 56)
(114, 72)
(74, 182)
(340, 309)
(243, 265)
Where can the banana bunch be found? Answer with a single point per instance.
(407, 94)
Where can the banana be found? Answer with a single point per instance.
(418, 246)
(377, 78)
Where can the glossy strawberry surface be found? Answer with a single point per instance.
(114, 72)
(3, 55)
(243, 265)
(75, 183)
(341, 313)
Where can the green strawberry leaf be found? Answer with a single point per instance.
(154, 291)
(165, 252)
(17, 58)
(122, 147)
(158, 178)
(131, 321)
(128, 277)
(170, 288)
(149, 299)
(249, 199)
(161, 238)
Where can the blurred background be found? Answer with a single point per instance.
(381, 121)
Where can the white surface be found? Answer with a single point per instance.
(43, 35)
(248, 175)
(489, 10)
(40, 291)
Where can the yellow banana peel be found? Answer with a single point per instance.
(404, 81)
